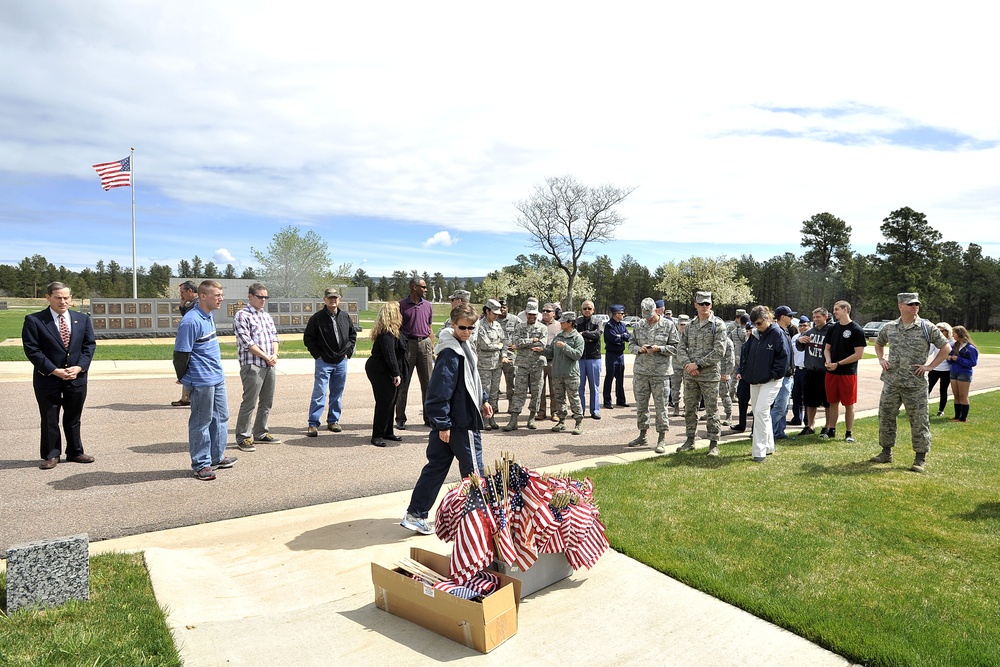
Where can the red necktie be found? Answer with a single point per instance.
(64, 331)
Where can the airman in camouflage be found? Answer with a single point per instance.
(727, 369)
(700, 355)
(654, 342)
(904, 377)
(529, 366)
(738, 335)
(677, 376)
(565, 351)
(489, 346)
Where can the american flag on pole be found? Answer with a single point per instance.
(117, 174)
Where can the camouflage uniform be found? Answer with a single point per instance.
(565, 376)
(738, 336)
(489, 345)
(651, 371)
(727, 367)
(507, 323)
(908, 347)
(529, 366)
(703, 343)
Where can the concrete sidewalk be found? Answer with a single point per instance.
(295, 588)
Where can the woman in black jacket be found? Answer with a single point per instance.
(764, 361)
(385, 369)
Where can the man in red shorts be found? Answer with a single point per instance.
(844, 347)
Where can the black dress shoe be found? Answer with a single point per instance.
(394, 438)
(49, 464)
(378, 442)
(400, 426)
(622, 405)
(81, 458)
(608, 406)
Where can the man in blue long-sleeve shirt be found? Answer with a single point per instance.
(615, 336)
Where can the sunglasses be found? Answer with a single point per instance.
(462, 327)
(586, 309)
(265, 298)
(707, 303)
(758, 323)
(552, 311)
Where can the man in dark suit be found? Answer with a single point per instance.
(60, 343)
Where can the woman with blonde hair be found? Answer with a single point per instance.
(385, 369)
(964, 356)
(941, 372)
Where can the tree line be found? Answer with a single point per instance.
(29, 277)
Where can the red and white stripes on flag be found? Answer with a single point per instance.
(117, 174)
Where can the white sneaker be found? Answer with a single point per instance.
(417, 525)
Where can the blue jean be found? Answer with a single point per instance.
(590, 377)
(464, 445)
(207, 425)
(334, 376)
(779, 410)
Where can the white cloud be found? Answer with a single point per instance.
(443, 239)
(223, 256)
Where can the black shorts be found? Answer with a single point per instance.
(814, 389)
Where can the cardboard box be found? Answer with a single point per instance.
(479, 625)
(547, 570)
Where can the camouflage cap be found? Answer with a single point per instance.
(909, 298)
(648, 307)
(567, 316)
(494, 305)
(460, 294)
(702, 297)
(740, 311)
(531, 308)
(683, 319)
(331, 291)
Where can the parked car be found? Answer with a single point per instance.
(872, 328)
(630, 320)
(601, 320)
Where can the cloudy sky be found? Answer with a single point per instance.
(404, 132)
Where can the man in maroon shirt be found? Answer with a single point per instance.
(417, 314)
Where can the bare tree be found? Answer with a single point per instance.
(564, 215)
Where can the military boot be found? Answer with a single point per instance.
(687, 446)
(640, 441)
(512, 424)
(713, 448)
(531, 422)
(918, 462)
(661, 443)
(885, 456)
(578, 428)
(677, 411)
(493, 424)
(560, 426)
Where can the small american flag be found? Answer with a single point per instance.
(117, 174)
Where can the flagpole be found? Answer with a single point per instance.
(135, 281)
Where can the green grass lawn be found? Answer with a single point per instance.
(877, 563)
(120, 624)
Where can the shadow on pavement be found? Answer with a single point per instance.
(90, 479)
(133, 407)
(10, 465)
(350, 535)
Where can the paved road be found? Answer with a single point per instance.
(142, 480)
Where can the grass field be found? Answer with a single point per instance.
(120, 624)
(877, 563)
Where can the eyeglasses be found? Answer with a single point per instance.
(462, 327)
(265, 297)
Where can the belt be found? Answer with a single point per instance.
(419, 337)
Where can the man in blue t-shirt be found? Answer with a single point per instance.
(198, 364)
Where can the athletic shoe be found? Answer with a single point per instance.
(267, 438)
(227, 462)
(245, 445)
(807, 431)
(335, 427)
(416, 524)
(205, 474)
(849, 438)
(759, 459)
(312, 432)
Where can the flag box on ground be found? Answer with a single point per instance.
(480, 625)
(547, 570)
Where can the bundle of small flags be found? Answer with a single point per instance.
(477, 587)
(515, 514)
